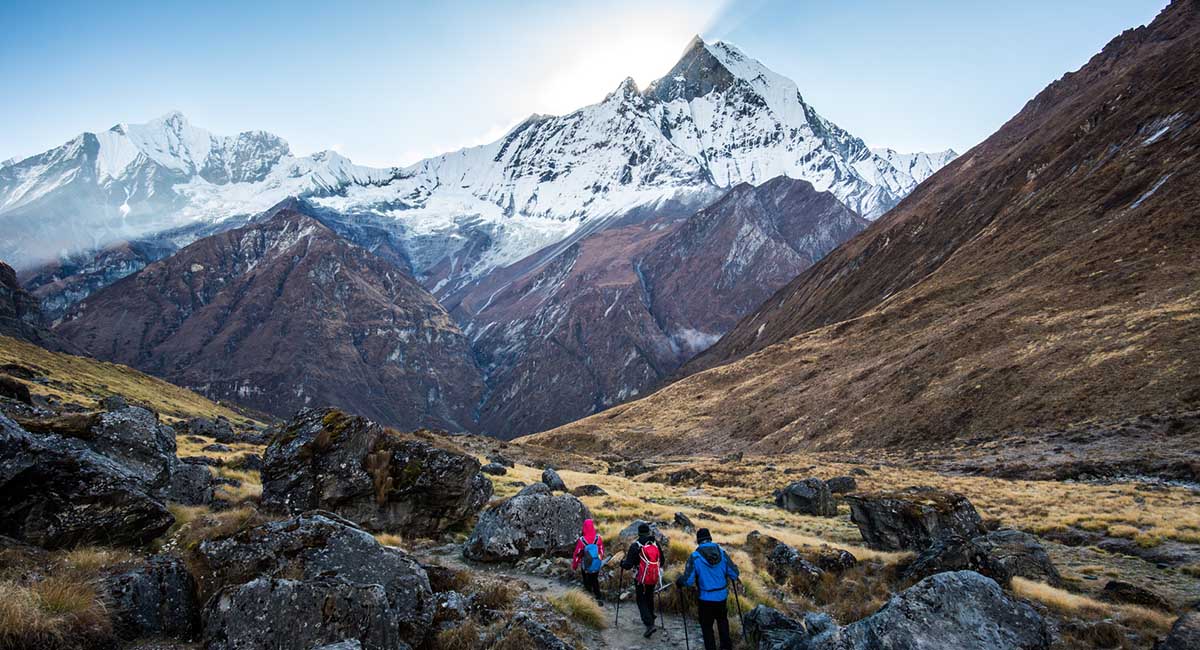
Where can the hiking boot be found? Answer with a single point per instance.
(650, 629)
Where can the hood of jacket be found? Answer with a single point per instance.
(589, 531)
(710, 553)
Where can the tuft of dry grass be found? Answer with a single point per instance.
(581, 607)
(389, 539)
(462, 637)
(496, 595)
(54, 613)
(89, 560)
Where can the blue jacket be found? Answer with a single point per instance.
(709, 570)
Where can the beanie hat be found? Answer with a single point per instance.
(703, 535)
(643, 529)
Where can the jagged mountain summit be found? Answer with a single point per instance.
(284, 313)
(717, 119)
(1046, 279)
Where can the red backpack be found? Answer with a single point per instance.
(648, 572)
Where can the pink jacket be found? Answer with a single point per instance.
(589, 534)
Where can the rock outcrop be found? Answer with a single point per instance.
(553, 480)
(55, 493)
(912, 519)
(1020, 554)
(629, 534)
(949, 610)
(381, 480)
(954, 553)
(312, 580)
(533, 522)
(155, 599)
(1184, 634)
(1119, 591)
(808, 497)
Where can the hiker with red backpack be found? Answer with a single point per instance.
(589, 557)
(646, 557)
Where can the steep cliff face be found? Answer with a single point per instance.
(613, 314)
(20, 316)
(284, 313)
(1047, 276)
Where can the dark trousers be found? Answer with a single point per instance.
(645, 601)
(714, 611)
(591, 584)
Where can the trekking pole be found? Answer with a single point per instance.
(620, 579)
(687, 645)
(741, 618)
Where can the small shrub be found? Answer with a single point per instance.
(495, 595)
(581, 607)
(54, 613)
(462, 637)
(516, 638)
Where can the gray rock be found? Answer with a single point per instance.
(685, 475)
(295, 614)
(1119, 591)
(248, 462)
(533, 522)
(56, 492)
(113, 403)
(217, 447)
(787, 566)
(1184, 634)
(348, 644)
(219, 430)
(634, 468)
(157, 598)
(553, 480)
(770, 629)
(683, 522)
(809, 497)
(1020, 554)
(954, 553)
(538, 634)
(313, 547)
(589, 490)
(328, 460)
(912, 519)
(628, 535)
(955, 610)
(190, 484)
(495, 469)
(13, 389)
(842, 484)
(502, 460)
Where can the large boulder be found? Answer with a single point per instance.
(949, 610)
(1019, 554)
(55, 492)
(912, 519)
(533, 522)
(300, 614)
(808, 497)
(1184, 634)
(842, 484)
(954, 553)
(532, 635)
(292, 570)
(770, 629)
(629, 535)
(381, 480)
(218, 429)
(786, 565)
(553, 480)
(155, 599)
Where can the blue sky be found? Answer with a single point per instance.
(391, 82)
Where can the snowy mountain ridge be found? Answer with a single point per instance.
(718, 118)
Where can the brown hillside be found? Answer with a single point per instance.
(1048, 276)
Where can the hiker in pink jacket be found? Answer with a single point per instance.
(589, 555)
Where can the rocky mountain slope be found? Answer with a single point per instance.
(616, 312)
(1046, 277)
(283, 312)
(717, 119)
(20, 315)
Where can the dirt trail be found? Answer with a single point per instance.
(626, 635)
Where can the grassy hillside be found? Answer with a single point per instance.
(87, 381)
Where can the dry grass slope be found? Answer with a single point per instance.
(86, 381)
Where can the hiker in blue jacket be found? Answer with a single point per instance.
(710, 570)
